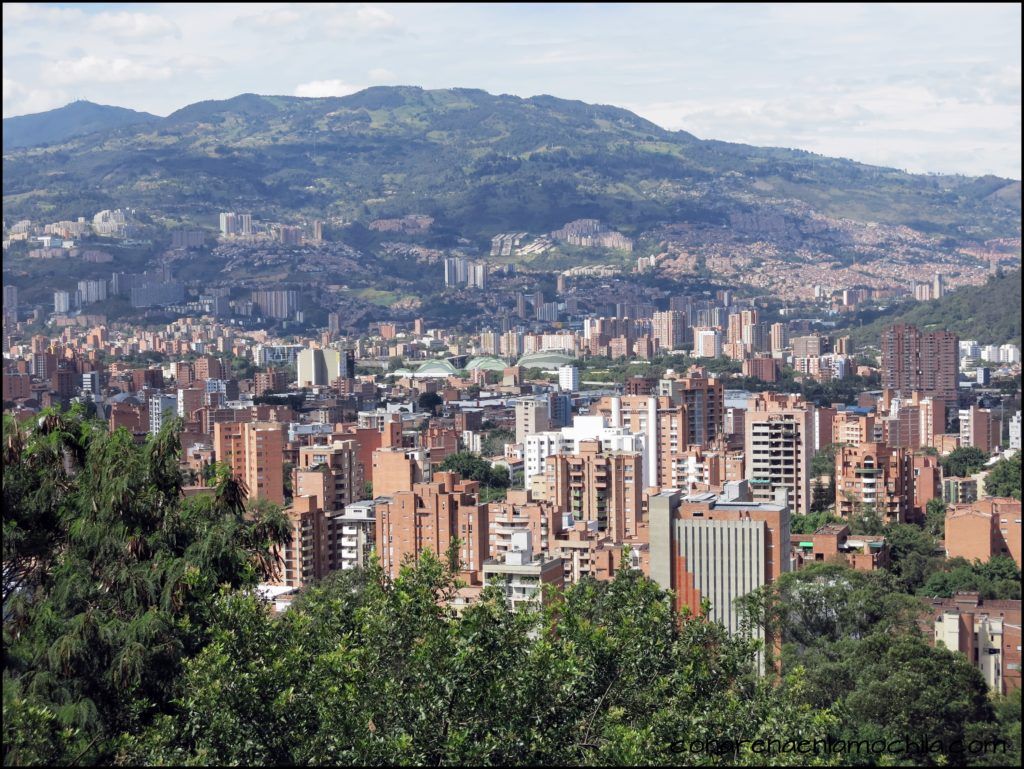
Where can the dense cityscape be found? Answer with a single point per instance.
(370, 482)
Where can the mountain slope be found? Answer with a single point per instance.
(479, 163)
(75, 119)
(989, 314)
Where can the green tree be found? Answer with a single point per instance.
(494, 444)
(867, 520)
(365, 670)
(473, 467)
(810, 523)
(960, 463)
(1003, 480)
(856, 637)
(429, 402)
(912, 555)
(935, 518)
(998, 578)
(95, 633)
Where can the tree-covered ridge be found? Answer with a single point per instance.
(478, 163)
(59, 125)
(989, 314)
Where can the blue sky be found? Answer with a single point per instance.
(928, 88)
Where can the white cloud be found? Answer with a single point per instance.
(382, 75)
(321, 88)
(96, 69)
(19, 100)
(127, 25)
(38, 13)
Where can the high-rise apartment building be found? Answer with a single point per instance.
(568, 378)
(915, 360)
(703, 396)
(669, 329)
(532, 416)
(429, 517)
(332, 473)
(779, 445)
(598, 485)
(255, 452)
(875, 476)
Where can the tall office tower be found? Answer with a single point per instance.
(10, 297)
(718, 547)
(245, 224)
(255, 452)
(707, 342)
(598, 485)
(874, 475)
(938, 286)
(779, 445)
(1015, 431)
(318, 231)
(347, 362)
(669, 329)
(915, 360)
(561, 283)
(334, 323)
(568, 378)
(532, 416)
(429, 517)
(538, 304)
(779, 337)
(521, 304)
(704, 399)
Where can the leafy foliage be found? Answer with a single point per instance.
(363, 670)
(1003, 480)
(475, 468)
(121, 582)
(964, 461)
(856, 636)
(997, 578)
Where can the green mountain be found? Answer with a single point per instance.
(989, 314)
(58, 125)
(479, 164)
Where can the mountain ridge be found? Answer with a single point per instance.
(468, 158)
(76, 118)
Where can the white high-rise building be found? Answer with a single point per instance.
(1009, 353)
(707, 343)
(1015, 431)
(569, 378)
(61, 301)
(161, 407)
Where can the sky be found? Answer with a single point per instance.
(922, 87)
